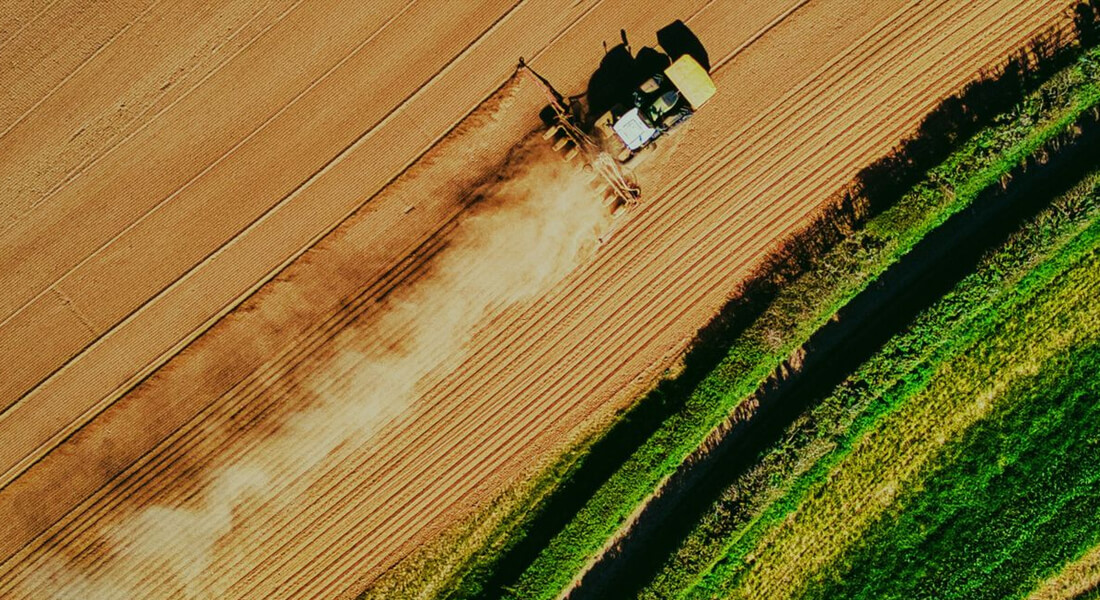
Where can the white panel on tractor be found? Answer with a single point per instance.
(633, 130)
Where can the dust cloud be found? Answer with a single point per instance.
(528, 231)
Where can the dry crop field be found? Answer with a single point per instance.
(256, 338)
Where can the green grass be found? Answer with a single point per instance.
(819, 439)
(1074, 580)
(807, 304)
(456, 564)
(992, 333)
(1010, 503)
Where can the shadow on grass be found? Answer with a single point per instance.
(876, 188)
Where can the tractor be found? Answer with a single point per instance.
(631, 102)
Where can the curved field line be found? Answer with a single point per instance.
(470, 47)
(88, 414)
(469, 458)
(7, 477)
(473, 373)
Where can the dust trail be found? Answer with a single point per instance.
(530, 229)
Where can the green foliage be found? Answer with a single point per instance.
(1010, 503)
(818, 440)
(988, 327)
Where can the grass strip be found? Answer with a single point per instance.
(1076, 578)
(1005, 506)
(921, 370)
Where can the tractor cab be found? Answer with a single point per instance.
(663, 106)
(660, 103)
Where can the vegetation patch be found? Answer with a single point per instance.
(1009, 503)
(1077, 579)
(817, 439)
(993, 353)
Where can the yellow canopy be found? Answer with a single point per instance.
(692, 80)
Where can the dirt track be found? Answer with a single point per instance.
(218, 145)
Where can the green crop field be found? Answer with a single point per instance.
(1014, 498)
(1078, 578)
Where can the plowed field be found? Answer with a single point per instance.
(214, 218)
